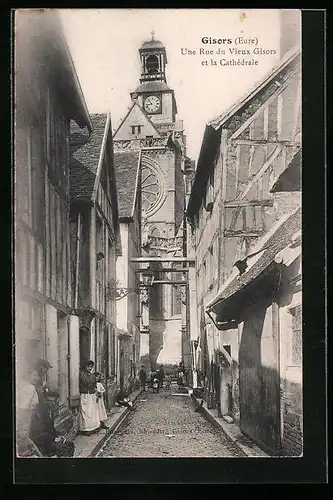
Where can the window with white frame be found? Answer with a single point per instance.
(210, 189)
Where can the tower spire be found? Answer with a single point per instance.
(152, 35)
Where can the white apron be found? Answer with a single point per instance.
(100, 403)
(89, 414)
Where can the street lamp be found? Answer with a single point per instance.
(147, 278)
(119, 292)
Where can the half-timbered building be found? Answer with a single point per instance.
(95, 239)
(127, 286)
(231, 208)
(47, 97)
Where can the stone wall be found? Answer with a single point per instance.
(292, 439)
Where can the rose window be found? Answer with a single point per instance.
(152, 192)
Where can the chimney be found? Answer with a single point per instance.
(78, 137)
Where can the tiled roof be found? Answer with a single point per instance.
(154, 86)
(126, 165)
(82, 181)
(85, 160)
(278, 240)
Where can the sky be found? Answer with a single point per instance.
(104, 45)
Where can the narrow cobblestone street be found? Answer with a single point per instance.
(166, 425)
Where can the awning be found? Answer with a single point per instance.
(263, 266)
(123, 333)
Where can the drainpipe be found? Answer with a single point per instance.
(78, 241)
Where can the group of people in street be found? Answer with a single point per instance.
(37, 407)
(155, 379)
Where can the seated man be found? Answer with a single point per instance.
(44, 434)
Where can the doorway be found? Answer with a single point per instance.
(62, 357)
(226, 384)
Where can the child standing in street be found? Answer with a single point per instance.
(100, 401)
(156, 385)
(167, 382)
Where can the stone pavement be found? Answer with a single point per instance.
(165, 425)
(232, 430)
(88, 446)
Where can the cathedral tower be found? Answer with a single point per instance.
(151, 127)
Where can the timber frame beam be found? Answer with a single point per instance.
(165, 270)
(249, 203)
(242, 232)
(163, 259)
(165, 282)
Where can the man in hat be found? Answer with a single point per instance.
(161, 376)
(43, 432)
(143, 377)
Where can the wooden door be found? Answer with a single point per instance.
(259, 397)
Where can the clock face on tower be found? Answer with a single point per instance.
(152, 104)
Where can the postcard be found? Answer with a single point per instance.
(158, 233)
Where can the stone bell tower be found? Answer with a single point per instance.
(151, 126)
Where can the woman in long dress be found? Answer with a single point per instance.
(89, 415)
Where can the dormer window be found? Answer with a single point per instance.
(136, 129)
